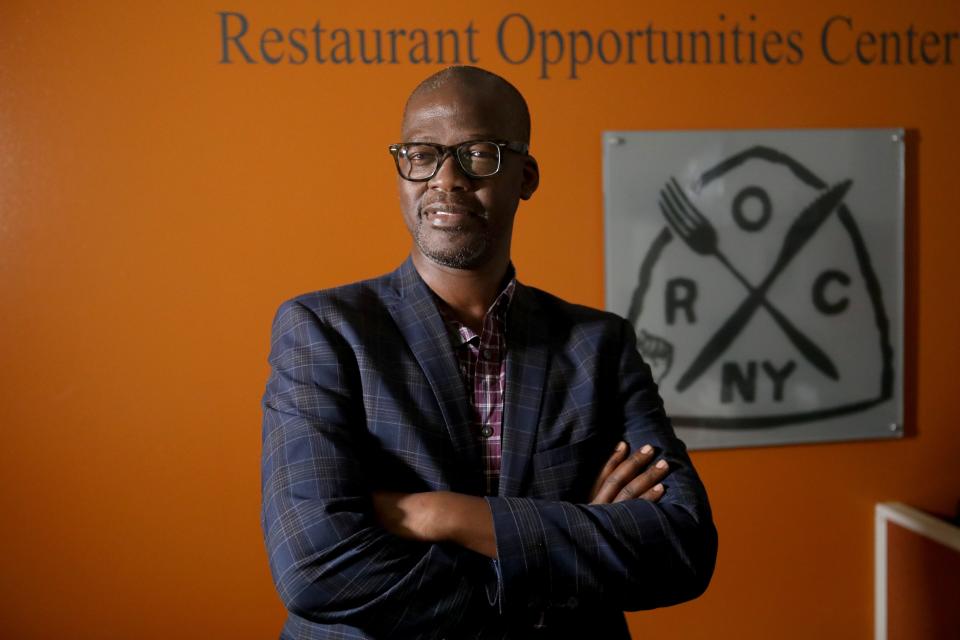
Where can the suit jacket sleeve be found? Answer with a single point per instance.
(630, 555)
(330, 560)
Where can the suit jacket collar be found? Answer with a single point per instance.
(426, 335)
(416, 315)
(527, 362)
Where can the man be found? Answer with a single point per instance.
(448, 453)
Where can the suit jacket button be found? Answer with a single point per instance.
(572, 602)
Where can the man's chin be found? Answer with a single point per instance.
(469, 256)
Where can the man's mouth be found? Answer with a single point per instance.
(448, 215)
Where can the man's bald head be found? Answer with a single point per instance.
(484, 83)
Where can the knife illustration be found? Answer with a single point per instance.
(800, 231)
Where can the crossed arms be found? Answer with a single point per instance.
(465, 520)
(333, 541)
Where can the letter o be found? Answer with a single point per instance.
(600, 50)
(500, 38)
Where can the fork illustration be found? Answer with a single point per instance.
(700, 235)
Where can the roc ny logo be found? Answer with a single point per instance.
(756, 300)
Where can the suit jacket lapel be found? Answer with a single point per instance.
(420, 323)
(527, 360)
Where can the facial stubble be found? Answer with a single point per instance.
(459, 255)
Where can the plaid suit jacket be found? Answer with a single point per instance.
(365, 394)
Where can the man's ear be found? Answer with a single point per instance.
(531, 178)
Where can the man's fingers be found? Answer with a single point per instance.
(653, 495)
(608, 468)
(623, 474)
(646, 484)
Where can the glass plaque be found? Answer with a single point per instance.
(763, 274)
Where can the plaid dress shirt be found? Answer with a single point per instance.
(482, 360)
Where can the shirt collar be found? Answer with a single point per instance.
(460, 333)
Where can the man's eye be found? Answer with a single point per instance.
(418, 157)
(480, 151)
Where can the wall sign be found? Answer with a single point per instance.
(763, 273)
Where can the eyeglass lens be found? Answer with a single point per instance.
(420, 161)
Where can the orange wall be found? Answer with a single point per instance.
(156, 206)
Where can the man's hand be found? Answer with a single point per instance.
(625, 477)
(408, 515)
(438, 516)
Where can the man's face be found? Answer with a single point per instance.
(455, 220)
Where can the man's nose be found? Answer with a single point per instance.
(450, 176)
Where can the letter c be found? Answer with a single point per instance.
(825, 34)
(820, 301)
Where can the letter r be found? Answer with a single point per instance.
(225, 37)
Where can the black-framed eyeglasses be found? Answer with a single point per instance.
(420, 161)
